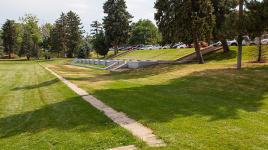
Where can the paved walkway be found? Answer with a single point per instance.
(120, 118)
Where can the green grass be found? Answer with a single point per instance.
(210, 106)
(37, 111)
(163, 54)
(93, 55)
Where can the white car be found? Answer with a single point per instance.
(180, 45)
(264, 41)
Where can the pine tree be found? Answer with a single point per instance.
(186, 21)
(27, 45)
(9, 37)
(99, 44)
(116, 23)
(74, 33)
(59, 36)
(96, 28)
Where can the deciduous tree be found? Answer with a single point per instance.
(144, 32)
(186, 21)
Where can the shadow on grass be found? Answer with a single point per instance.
(40, 85)
(220, 56)
(72, 113)
(216, 94)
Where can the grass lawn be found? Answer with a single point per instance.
(210, 106)
(93, 55)
(163, 54)
(37, 111)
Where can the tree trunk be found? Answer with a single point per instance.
(260, 51)
(9, 55)
(116, 50)
(240, 38)
(225, 46)
(197, 50)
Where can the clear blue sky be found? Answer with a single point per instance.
(88, 10)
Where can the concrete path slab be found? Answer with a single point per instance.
(136, 128)
(130, 147)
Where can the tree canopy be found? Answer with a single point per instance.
(144, 32)
(9, 36)
(185, 21)
(116, 22)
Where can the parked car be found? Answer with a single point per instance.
(264, 41)
(179, 45)
(166, 47)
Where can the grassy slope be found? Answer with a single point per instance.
(39, 112)
(163, 54)
(209, 106)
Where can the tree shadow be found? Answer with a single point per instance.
(40, 85)
(220, 56)
(71, 114)
(216, 94)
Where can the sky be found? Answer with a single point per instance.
(88, 10)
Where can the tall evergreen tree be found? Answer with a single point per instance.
(74, 33)
(96, 28)
(186, 21)
(27, 45)
(58, 36)
(116, 23)
(9, 37)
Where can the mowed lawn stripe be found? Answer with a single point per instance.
(39, 112)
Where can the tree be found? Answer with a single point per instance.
(99, 44)
(74, 33)
(9, 37)
(96, 27)
(58, 36)
(116, 23)
(240, 31)
(46, 33)
(27, 45)
(222, 9)
(32, 34)
(256, 25)
(186, 21)
(144, 32)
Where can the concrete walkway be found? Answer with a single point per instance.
(120, 118)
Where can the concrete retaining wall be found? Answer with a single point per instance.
(107, 63)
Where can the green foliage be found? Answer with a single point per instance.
(66, 35)
(144, 32)
(58, 36)
(74, 33)
(9, 36)
(96, 28)
(116, 23)
(185, 21)
(32, 37)
(46, 32)
(100, 45)
(222, 9)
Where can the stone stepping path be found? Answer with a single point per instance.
(137, 129)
